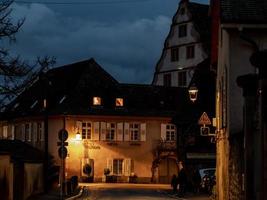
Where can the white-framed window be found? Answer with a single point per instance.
(119, 102)
(134, 129)
(87, 130)
(111, 131)
(170, 132)
(97, 101)
(117, 166)
(27, 132)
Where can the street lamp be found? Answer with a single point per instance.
(193, 93)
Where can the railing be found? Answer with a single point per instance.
(164, 145)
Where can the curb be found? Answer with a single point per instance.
(76, 196)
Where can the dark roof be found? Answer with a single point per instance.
(71, 88)
(244, 11)
(20, 151)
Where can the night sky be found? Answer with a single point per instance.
(125, 38)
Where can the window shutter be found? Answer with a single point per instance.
(163, 131)
(23, 132)
(5, 132)
(42, 132)
(34, 131)
(78, 127)
(127, 167)
(126, 132)
(119, 131)
(12, 132)
(110, 165)
(96, 131)
(30, 132)
(103, 131)
(143, 132)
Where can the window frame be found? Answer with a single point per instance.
(182, 78)
(174, 54)
(170, 132)
(190, 52)
(167, 79)
(117, 166)
(182, 30)
(135, 132)
(109, 130)
(86, 132)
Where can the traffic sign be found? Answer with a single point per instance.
(63, 135)
(62, 152)
(204, 131)
(204, 119)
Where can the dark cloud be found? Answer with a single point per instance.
(127, 45)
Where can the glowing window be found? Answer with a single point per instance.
(119, 102)
(97, 101)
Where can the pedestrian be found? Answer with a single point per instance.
(174, 183)
(196, 180)
(182, 179)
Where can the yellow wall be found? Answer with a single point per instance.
(141, 153)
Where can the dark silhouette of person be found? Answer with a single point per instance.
(174, 183)
(182, 179)
(196, 180)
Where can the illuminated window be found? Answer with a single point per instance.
(40, 132)
(87, 130)
(111, 128)
(135, 131)
(170, 132)
(119, 102)
(97, 101)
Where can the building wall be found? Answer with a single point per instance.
(233, 61)
(139, 155)
(165, 65)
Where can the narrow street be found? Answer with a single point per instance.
(133, 192)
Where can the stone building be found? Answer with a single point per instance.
(125, 128)
(242, 30)
(187, 45)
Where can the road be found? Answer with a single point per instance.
(131, 192)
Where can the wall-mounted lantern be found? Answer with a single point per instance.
(193, 93)
(78, 137)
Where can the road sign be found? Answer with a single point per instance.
(63, 135)
(62, 152)
(204, 131)
(204, 119)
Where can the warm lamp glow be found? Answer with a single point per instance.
(78, 137)
(193, 93)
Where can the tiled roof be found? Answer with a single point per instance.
(71, 88)
(19, 150)
(244, 11)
